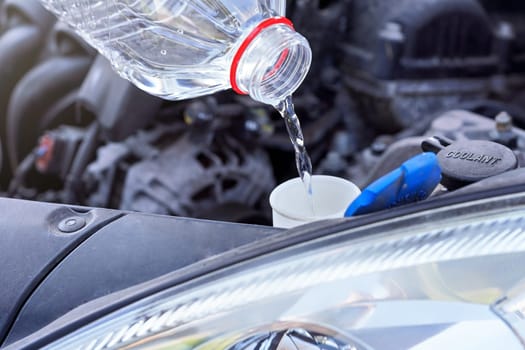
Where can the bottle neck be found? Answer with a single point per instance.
(272, 62)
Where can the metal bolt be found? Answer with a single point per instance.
(503, 122)
(71, 224)
(378, 148)
(380, 145)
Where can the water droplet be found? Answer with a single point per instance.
(163, 52)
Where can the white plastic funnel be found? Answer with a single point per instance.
(292, 207)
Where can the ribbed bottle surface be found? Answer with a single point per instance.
(174, 49)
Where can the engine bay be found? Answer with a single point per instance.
(393, 80)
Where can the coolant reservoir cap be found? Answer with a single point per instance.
(466, 162)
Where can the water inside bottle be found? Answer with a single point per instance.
(302, 159)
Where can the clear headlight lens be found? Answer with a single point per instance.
(439, 280)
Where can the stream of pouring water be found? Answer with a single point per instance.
(302, 159)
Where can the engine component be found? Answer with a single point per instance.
(509, 14)
(387, 153)
(176, 169)
(101, 175)
(504, 133)
(25, 25)
(417, 39)
(425, 56)
(57, 150)
(73, 185)
(190, 179)
(46, 96)
(464, 125)
(120, 108)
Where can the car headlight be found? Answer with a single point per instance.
(444, 279)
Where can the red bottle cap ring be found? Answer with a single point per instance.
(238, 55)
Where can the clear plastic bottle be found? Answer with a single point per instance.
(179, 49)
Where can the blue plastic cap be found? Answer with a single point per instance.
(413, 181)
